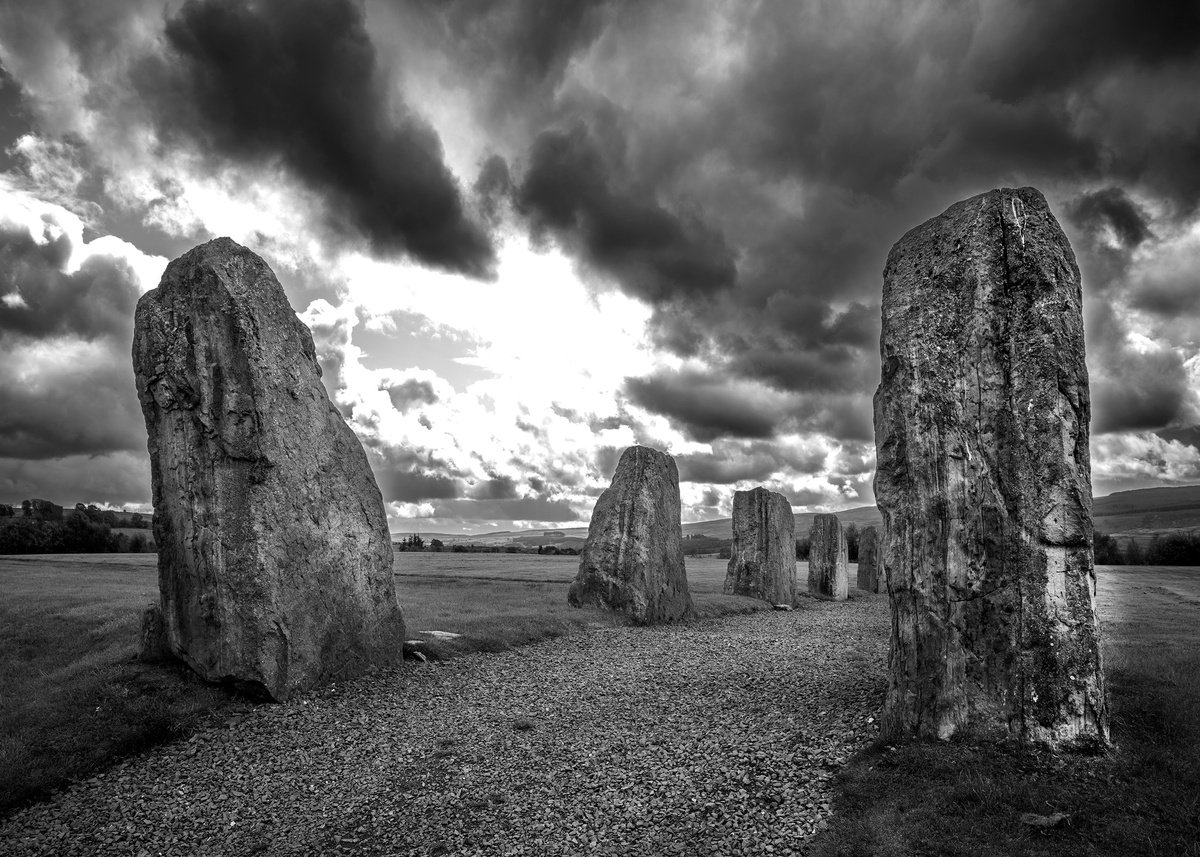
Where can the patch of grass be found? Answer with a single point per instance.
(1143, 797)
(73, 699)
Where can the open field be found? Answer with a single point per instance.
(73, 701)
(73, 698)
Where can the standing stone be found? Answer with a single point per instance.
(274, 558)
(632, 560)
(984, 478)
(827, 568)
(869, 578)
(763, 561)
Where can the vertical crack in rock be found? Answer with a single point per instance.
(275, 560)
(984, 478)
(762, 563)
(632, 561)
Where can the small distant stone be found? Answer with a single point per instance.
(785, 607)
(441, 635)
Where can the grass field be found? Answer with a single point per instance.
(1141, 799)
(73, 698)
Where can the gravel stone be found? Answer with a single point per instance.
(716, 737)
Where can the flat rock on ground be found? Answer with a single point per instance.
(704, 738)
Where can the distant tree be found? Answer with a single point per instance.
(26, 509)
(137, 520)
(6, 511)
(1106, 550)
(1133, 554)
(802, 546)
(436, 545)
(851, 532)
(1174, 549)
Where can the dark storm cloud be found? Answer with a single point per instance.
(1050, 44)
(89, 409)
(1145, 391)
(876, 131)
(570, 190)
(39, 299)
(521, 509)
(496, 488)
(516, 51)
(1132, 390)
(411, 391)
(1111, 207)
(413, 487)
(50, 407)
(299, 83)
(706, 408)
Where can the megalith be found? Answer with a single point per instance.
(827, 568)
(632, 560)
(984, 479)
(763, 560)
(869, 578)
(274, 556)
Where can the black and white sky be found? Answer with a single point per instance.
(528, 234)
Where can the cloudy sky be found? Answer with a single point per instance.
(529, 234)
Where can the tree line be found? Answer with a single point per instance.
(35, 529)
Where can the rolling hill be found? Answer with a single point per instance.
(1139, 514)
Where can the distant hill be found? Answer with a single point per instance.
(1148, 511)
(1139, 514)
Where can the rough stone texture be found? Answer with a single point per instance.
(828, 576)
(632, 560)
(984, 478)
(153, 643)
(869, 577)
(763, 561)
(274, 557)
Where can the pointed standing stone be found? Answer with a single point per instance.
(827, 568)
(632, 560)
(274, 557)
(984, 478)
(869, 577)
(763, 561)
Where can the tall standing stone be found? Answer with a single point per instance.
(984, 478)
(869, 578)
(274, 557)
(632, 560)
(763, 560)
(827, 567)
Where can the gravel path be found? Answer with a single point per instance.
(714, 737)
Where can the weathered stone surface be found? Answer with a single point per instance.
(632, 560)
(984, 478)
(153, 644)
(763, 560)
(869, 576)
(274, 557)
(828, 576)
